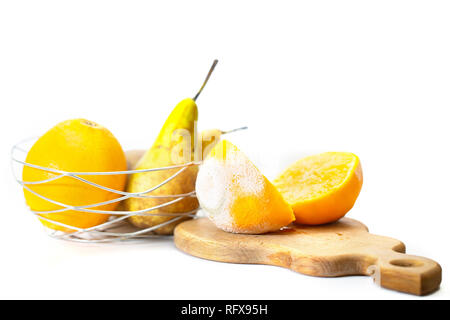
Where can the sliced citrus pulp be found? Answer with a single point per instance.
(321, 188)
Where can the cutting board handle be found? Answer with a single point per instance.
(406, 273)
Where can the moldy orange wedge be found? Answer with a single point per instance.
(236, 196)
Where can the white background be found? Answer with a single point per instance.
(370, 77)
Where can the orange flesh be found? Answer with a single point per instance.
(321, 188)
(315, 176)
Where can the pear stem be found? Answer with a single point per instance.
(206, 80)
(234, 130)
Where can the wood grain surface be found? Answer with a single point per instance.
(339, 249)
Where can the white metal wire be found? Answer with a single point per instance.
(115, 229)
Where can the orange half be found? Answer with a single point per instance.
(321, 188)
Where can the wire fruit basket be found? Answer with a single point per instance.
(116, 228)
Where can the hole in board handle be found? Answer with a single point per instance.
(406, 263)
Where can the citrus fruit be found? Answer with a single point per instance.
(74, 146)
(321, 188)
(236, 196)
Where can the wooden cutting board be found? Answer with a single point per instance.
(338, 249)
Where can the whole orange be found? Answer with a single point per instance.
(75, 145)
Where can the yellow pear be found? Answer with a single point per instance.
(174, 145)
(209, 138)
